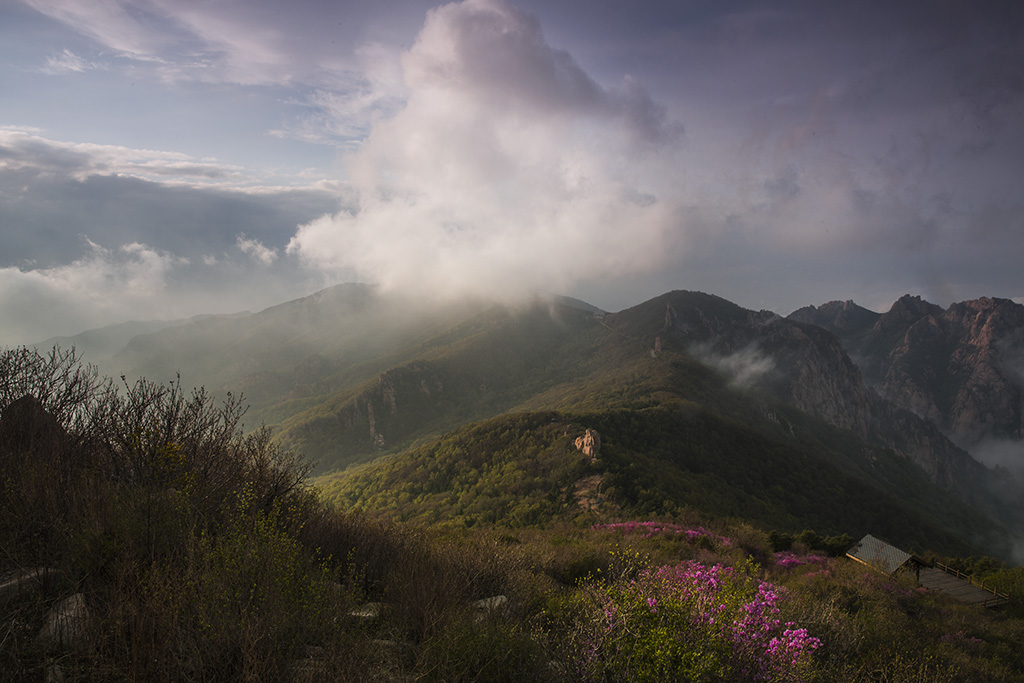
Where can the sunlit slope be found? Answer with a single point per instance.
(524, 469)
(349, 376)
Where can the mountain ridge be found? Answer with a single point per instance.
(961, 367)
(349, 375)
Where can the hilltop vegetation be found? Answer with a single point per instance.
(712, 406)
(191, 551)
(523, 469)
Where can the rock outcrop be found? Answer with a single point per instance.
(65, 624)
(961, 368)
(26, 427)
(806, 366)
(589, 444)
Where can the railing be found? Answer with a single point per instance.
(969, 578)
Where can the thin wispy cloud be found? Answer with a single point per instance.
(67, 62)
(23, 149)
(27, 150)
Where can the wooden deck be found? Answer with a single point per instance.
(959, 587)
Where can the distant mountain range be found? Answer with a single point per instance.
(835, 418)
(962, 367)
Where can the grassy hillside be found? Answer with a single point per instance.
(144, 536)
(524, 469)
(349, 376)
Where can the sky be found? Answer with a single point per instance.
(166, 158)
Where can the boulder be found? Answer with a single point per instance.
(589, 444)
(26, 427)
(65, 624)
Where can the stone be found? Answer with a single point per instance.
(589, 444)
(491, 604)
(370, 610)
(26, 427)
(65, 624)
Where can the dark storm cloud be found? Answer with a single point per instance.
(87, 241)
(53, 198)
(191, 222)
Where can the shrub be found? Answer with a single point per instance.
(692, 622)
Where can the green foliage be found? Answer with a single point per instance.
(809, 540)
(521, 470)
(874, 627)
(475, 647)
(253, 594)
(513, 471)
(203, 555)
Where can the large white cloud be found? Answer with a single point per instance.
(508, 168)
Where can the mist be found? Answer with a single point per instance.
(745, 368)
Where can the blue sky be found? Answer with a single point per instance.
(162, 158)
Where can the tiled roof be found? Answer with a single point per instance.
(879, 554)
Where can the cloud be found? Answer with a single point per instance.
(67, 62)
(98, 234)
(508, 168)
(744, 367)
(343, 114)
(1007, 454)
(136, 281)
(256, 250)
(179, 41)
(105, 285)
(51, 191)
(242, 42)
(24, 149)
(129, 28)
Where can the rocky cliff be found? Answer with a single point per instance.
(962, 367)
(807, 367)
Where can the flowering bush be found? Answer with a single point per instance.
(693, 622)
(787, 560)
(649, 529)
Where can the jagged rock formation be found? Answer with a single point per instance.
(26, 427)
(804, 366)
(838, 317)
(962, 367)
(589, 444)
(807, 367)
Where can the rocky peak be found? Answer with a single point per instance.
(842, 318)
(962, 367)
(806, 366)
(589, 444)
(905, 312)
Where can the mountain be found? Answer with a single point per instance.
(100, 345)
(698, 403)
(961, 367)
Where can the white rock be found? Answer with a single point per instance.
(65, 623)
